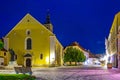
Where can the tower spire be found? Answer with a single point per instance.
(48, 17)
(48, 24)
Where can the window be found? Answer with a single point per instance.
(28, 44)
(15, 57)
(28, 32)
(28, 20)
(4, 53)
(2, 63)
(41, 56)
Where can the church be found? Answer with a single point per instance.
(33, 44)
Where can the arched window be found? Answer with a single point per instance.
(28, 44)
(41, 56)
(28, 32)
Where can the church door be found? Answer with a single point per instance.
(28, 62)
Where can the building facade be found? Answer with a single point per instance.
(113, 42)
(4, 55)
(34, 44)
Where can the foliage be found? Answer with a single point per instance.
(80, 56)
(68, 56)
(74, 55)
(16, 77)
(1, 44)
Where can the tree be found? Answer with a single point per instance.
(74, 55)
(68, 55)
(80, 57)
(1, 45)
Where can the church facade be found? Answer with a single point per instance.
(34, 44)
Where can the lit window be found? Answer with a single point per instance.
(28, 44)
(41, 56)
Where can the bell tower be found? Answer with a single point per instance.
(48, 23)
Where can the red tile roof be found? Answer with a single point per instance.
(77, 44)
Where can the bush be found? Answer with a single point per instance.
(16, 77)
(1, 44)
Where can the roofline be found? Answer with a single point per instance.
(21, 21)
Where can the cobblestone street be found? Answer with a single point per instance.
(73, 73)
(77, 73)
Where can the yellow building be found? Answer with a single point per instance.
(4, 57)
(112, 43)
(35, 44)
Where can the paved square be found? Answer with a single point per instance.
(77, 73)
(73, 73)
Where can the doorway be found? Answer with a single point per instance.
(28, 62)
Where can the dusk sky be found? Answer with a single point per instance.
(86, 21)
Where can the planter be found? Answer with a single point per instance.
(109, 65)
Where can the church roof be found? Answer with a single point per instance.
(31, 20)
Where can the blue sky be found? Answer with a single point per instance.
(85, 21)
